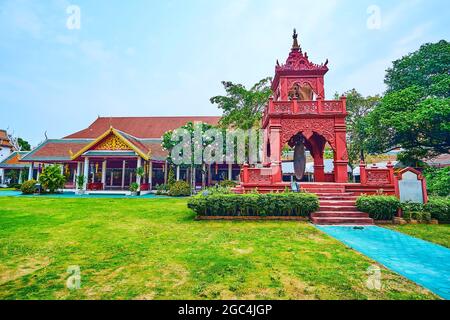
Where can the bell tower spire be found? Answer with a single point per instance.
(295, 46)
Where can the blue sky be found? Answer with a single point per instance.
(142, 58)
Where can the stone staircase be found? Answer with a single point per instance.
(337, 207)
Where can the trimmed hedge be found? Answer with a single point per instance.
(438, 208)
(180, 189)
(378, 207)
(271, 204)
(29, 187)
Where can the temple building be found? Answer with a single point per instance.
(109, 151)
(12, 170)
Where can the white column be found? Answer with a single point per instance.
(165, 172)
(104, 173)
(230, 171)
(30, 171)
(194, 178)
(61, 167)
(2, 176)
(75, 173)
(203, 176)
(20, 176)
(78, 172)
(86, 173)
(150, 173)
(178, 173)
(123, 174)
(139, 164)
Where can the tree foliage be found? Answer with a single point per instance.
(242, 108)
(438, 181)
(415, 112)
(168, 144)
(358, 107)
(51, 178)
(23, 144)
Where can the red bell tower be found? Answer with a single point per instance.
(298, 112)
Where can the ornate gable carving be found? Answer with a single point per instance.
(323, 127)
(112, 142)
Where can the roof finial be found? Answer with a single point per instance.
(295, 45)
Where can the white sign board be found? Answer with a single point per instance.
(410, 188)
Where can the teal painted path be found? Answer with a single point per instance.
(73, 195)
(423, 262)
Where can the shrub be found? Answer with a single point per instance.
(253, 204)
(80, 182)
(162, 189)
(29, 187)
(438, 208)
(227, 183)
(438, 181)
(17, 186)
(379, 207)
(180, 189)
(51, 178)
(217, 190)
(412, 211)
(134, 187)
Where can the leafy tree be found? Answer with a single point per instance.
(168, 144)
(423, 68)
(438, 181)
(358, 107)
(415, 112)
(242, 108)
(23, 144)
(51, 178)
(171, 177)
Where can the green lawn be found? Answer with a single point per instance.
(439, 234)
(153, 249)
(8, 189)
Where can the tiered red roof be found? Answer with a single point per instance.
(144, 134)
(139, 127)
(4, 139)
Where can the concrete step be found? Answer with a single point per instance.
(338, 208)
(337, 203)
(332, 194)
(340, 214)
(324, 190)
(338, 198)
(342, 221)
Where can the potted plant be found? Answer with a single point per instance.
(80, 180)
(134, 188)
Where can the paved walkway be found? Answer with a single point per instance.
(423, 262)
(73, 195)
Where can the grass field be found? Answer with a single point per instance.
(153, 249)
(439, 234)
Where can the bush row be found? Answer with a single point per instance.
(385, 208)
(378, 207)
(272, 204)
(438, 208)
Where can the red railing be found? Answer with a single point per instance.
(299, 107)
(375, 176)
